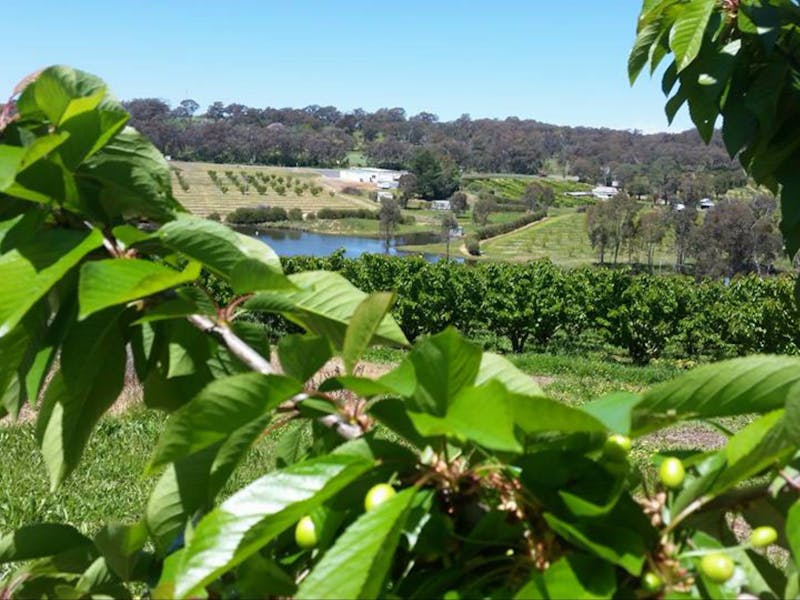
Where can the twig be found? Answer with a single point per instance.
(258, 363)
(234, 343)
(792, 482)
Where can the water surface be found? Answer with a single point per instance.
(290, 242)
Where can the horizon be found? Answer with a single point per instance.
(442, 59)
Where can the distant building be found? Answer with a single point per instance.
(382, 178)
(706, 203)
(385, 196)
(604, 192)
(440, 204)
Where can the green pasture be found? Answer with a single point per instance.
(111, 486)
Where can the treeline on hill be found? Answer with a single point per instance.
(662, 164)
(539, 305)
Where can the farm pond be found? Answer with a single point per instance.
(290, 242)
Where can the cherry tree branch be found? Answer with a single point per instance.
(258, 363)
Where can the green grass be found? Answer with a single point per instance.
(579, 379)
(110, 486)
(357, 159)
(563, 239)
(514, 186)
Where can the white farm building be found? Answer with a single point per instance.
(383, 178)
(604, 192)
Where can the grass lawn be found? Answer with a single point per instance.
(356, 158)
(514, 186)
(561, 237)
(109, 486)
(204, 198)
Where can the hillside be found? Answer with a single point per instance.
(203, 197)
(323, 136)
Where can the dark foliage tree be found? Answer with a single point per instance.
(537, 196)
(651, 232)
(737, 236)
(458, 202)
(483, 207)
(437, 176)
(407, 188)
(390, 216)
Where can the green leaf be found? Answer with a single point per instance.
(467, 418)
(36, 541)
(258, 573)
(362, 386)
(90, 126)
(357, 564)
(793, 531)
(640, 53)
(37, 264)
(569, 483)
(576, 576)
(495, 418)
(303, 355)
(221, 250)
(179, 307)
(614, 410)
(105, 283)
(181, 491)
(364, 325)
(756, 384)
(129, 178)
(41, 147)
(13, 348)
(45, 334)
(254, 515)
(10, 162)
(610, 542)
(222, 407)
(444, 364)
(99, 580)
(494, 366)
(689, 30)
(790, 214)
(54, 89)
(120, 546)
(323, 304)
(81, 392)
(763, 443)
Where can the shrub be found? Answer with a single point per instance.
(346, 213)
(488, 231)
(258, 214)
(295, 214)
(473, 245)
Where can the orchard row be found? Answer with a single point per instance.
(544, 307)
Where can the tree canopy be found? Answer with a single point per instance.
(738, 60)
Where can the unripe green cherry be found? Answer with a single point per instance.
(717, 566)
(651, 582)
(672, 472)
(617, 446)
(763, 536)
(305, 533)
(377, 495)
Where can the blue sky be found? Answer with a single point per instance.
(558, 62)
